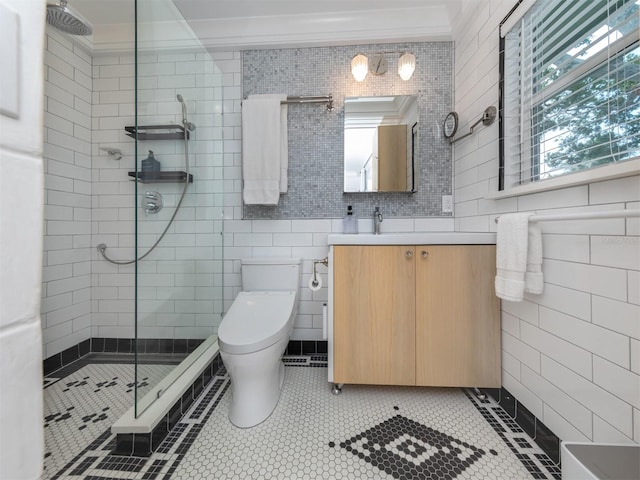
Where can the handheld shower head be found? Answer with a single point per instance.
(188, 125)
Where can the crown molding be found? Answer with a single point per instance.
(289, 31)
(392, 25)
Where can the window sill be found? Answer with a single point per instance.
(600, 174)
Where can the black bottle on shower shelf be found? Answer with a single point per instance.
(150, 165)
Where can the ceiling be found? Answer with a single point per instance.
(246, 24)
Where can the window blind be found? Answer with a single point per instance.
(571, 88)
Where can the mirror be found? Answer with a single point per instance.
(380, 143)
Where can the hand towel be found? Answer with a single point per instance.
(262, 149)
(511, 255)
(284, 147)
(533, 281)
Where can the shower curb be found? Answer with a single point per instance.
(166, 405)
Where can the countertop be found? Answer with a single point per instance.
(436, 238)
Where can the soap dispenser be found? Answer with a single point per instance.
(350, 221)
(150, 165)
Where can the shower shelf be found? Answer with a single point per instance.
(155, 132)
(161, 177)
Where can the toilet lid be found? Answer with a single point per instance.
(255, 321)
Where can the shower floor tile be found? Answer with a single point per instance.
(372, 432)
(82, 405)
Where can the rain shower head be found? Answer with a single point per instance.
(63, 18)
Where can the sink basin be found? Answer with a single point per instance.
(437, 238)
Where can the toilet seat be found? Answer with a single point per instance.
(255, 321)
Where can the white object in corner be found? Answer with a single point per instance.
(9, 63)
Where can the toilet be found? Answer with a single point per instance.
(254, 334)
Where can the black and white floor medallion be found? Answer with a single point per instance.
(406, 449)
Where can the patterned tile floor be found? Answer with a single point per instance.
(370, 432)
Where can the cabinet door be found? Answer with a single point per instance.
(374, 315)
(392, 158)
(457, 316)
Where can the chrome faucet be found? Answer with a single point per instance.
(377, 220)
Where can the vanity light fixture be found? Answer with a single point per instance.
(361, 65)
(406, 65)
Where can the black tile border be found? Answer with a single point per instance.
(541, 434)
(144, 444)
(176, 346)
(539, 465)
(306, 347)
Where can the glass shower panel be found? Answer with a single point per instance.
(179, 283)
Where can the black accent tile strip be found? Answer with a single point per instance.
(543, 436)
(111, 345)
(176, 346)
(547, 441)
(52, 364)
(526, 419)
(306, 347)
(508, 402)
(540, 466)
(84, 465)
(492, 392)
(294, 348)
(122, 464)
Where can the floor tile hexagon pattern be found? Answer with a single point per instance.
(372, 432)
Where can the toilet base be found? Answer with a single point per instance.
(256, 382)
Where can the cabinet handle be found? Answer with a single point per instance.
(424, 254)
(409, 254)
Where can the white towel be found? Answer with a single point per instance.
(533, 281)
(284, 147)
(262, 149)
(518, 257)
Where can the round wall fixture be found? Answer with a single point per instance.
(378, 65)
(450, 125)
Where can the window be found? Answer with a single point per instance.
(570, 83)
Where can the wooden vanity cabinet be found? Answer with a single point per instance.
(374, 315)
(416, 315)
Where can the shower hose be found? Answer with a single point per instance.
(103, 247)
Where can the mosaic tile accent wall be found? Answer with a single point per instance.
(316, 136)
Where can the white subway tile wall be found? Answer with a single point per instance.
(89, 197)
(66, 281)
(180, 282)
(570, 355)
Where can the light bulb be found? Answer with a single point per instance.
(359, 67)
(406, 66)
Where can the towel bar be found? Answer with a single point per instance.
(583, 216)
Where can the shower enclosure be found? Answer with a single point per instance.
(165, 252)
(178, 288)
